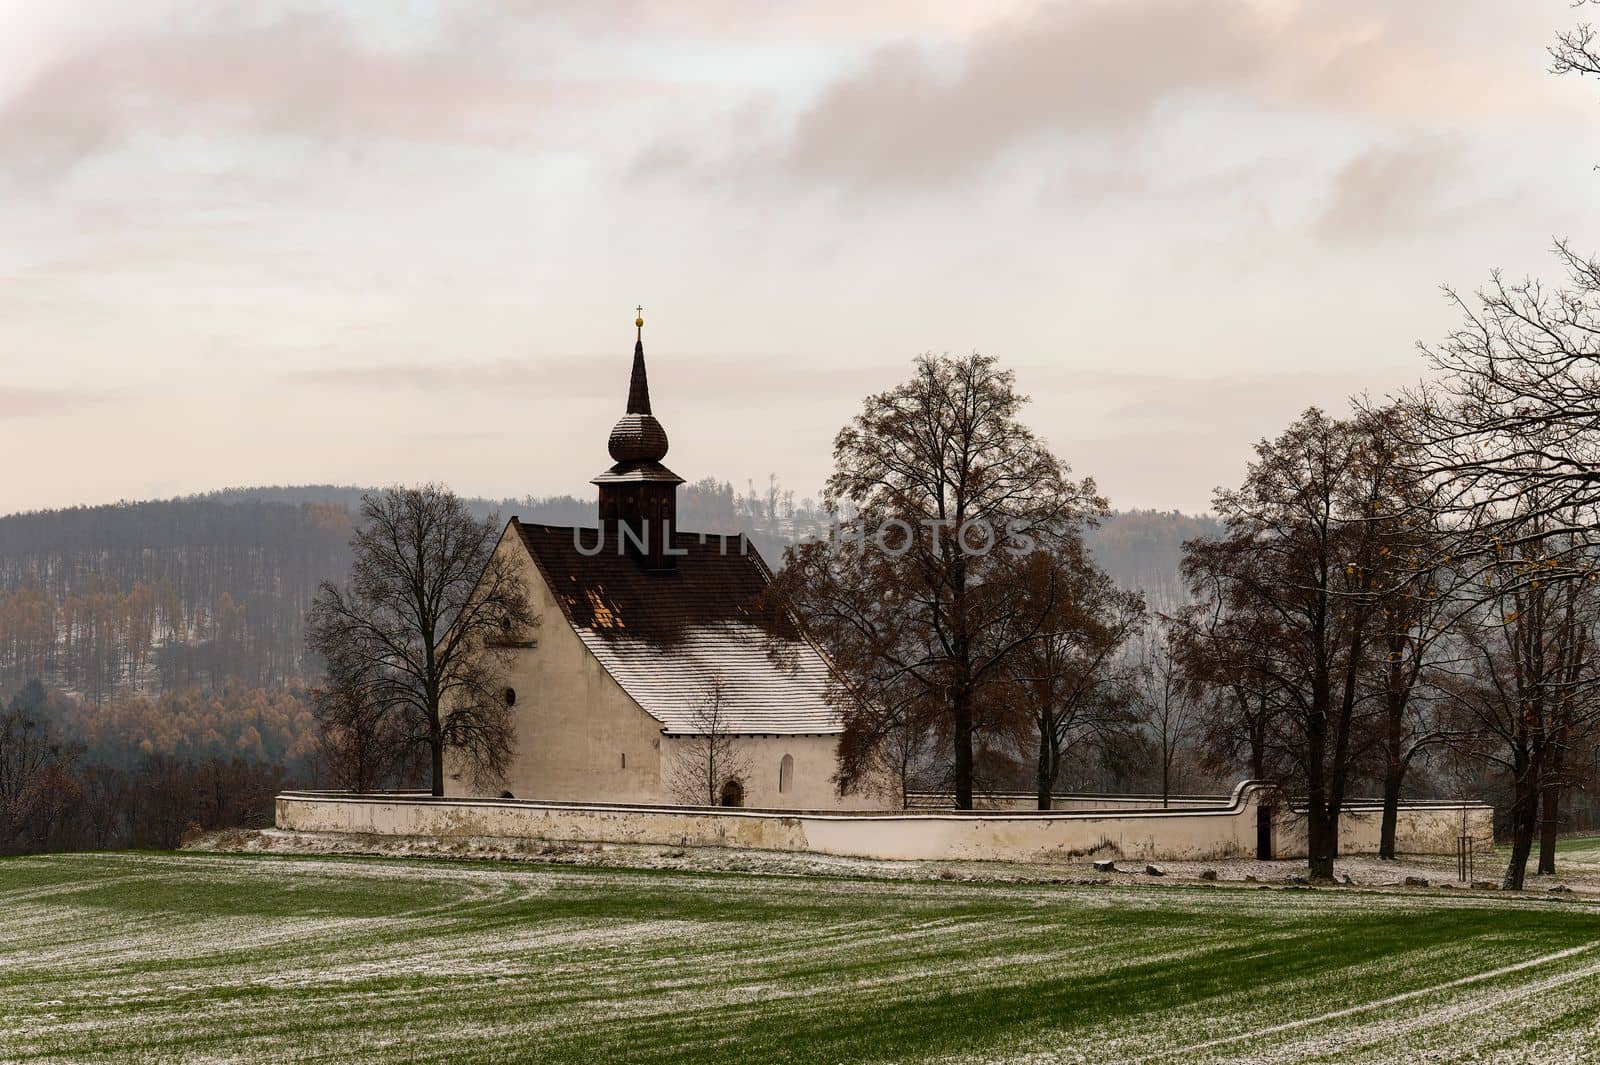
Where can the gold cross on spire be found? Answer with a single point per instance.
(639, 321)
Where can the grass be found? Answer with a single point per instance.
(1576, 856)
(1584, 849)
(116, 957)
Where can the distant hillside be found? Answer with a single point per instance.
(1144, 549)
(168, 595)
(161, 595)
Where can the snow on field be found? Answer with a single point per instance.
(218, 957)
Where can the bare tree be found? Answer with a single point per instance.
(1576, 51)
(1071, 681)
(1506, 437)
(422, 634)
(1167, 700)
(1416, 587)
(1232, 654)
(105, 806)
(361, 745)
(916, 598)
(37, 781)
(709, 758)
(1419, 607)
(903, 757)
(1524, 688)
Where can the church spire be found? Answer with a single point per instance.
(638, 495)
(639, 384)
(637, 436)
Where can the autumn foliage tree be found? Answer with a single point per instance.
(943, 493)
(1299, 556)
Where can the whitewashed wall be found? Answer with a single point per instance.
(1227, 830)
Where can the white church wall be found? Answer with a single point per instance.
(579, 735)
(760, 761)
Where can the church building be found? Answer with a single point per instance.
(660, 673)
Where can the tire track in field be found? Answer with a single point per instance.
(1442, 1014)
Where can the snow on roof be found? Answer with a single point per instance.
(665, 635)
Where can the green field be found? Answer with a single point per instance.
(159, 957)
(1582, 849)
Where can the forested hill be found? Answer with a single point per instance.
(168, 595)
(1144, 549)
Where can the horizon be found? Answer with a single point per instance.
(498, 501)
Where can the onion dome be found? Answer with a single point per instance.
(637, 436)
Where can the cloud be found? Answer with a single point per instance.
(18, 402)
(307, 76)
(921, 113)
(756, 19)
(927, 117)
(1390, 190)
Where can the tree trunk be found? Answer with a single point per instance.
(436, 743)
(1258, 771)
(1391, 809)
(963, 741)
(1321, 846)
(1551, 786)
(1394, 769)
(1524, 820)
(1549, 815)
(1047, 768)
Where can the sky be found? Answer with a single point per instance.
(389, 241)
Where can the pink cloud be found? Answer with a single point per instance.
(18, 402)
(1390, 189)
(305, 76)
(836, 20)
(915, 114)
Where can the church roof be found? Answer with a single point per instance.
(663, 636)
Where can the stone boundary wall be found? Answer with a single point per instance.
(1070, 802)
(1224, 831)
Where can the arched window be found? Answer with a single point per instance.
(786, 774)
(733, 793)
(510, 695)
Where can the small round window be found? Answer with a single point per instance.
(510, 696)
